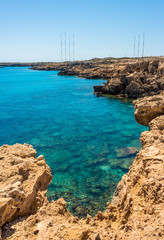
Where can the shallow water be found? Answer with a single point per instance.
(81, 136)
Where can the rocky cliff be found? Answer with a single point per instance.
(23, 181)
(135, 79)
(136, 211)
(128, 77)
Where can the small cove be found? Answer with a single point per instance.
(84, 138)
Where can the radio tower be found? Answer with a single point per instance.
(73, 47)
(138, 45)
(61, 45)
(143, 44)
(134, 46)
(69, 48)
(65, 47)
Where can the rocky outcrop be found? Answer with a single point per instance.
(139, 195)
(23, 181)
(149, 108)
(136, 80)
(128, 77)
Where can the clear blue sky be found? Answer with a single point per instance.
(30, 29)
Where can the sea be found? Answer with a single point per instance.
(89, 142)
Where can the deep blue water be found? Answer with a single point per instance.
(82, 137)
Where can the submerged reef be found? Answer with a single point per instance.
(136, 211)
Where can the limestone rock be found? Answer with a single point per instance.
(139, 79)
(134, 89)
(139, 195)
(148, 108)
(23, 181)
(115, 86)
(161, 68)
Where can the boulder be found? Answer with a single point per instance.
(134, 89)
(115, 86)
(153, 66)
(148, 108)
(144, 66)
(23, 181)
(161, 68)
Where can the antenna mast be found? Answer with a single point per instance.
(69, 48)
(134, 47)
(61, 45)
(65, 47)
(73, 47)
(143, 44)
(138, 45)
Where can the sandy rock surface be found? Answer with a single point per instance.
(148, 108)
(23, 181)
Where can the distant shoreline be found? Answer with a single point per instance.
(126, 77)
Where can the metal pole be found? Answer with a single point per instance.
(134, 47)
(61, 45)
(73, 47)
(65, 47)
(69, 48)
(138, 45)
(143, 44)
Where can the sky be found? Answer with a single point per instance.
(31, 29)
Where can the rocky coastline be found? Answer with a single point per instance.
(135, 80)
(136, 211)
(128, 77)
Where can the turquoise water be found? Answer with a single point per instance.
(82, 137)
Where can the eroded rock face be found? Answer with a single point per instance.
(148, 108)
(139, 195)
(139, 79)
(136, 211)
(23, 181)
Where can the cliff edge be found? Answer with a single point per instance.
(136, 211)
(135, 79)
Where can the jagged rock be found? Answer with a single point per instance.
(115, 86)
(144, 66)
(153, 66)
(135, 79)
(139, 195)
(23, 181)
(134, 89)
(161, 68)
(98, 88)
(149, 108)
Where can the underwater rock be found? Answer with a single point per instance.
(126, 152)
